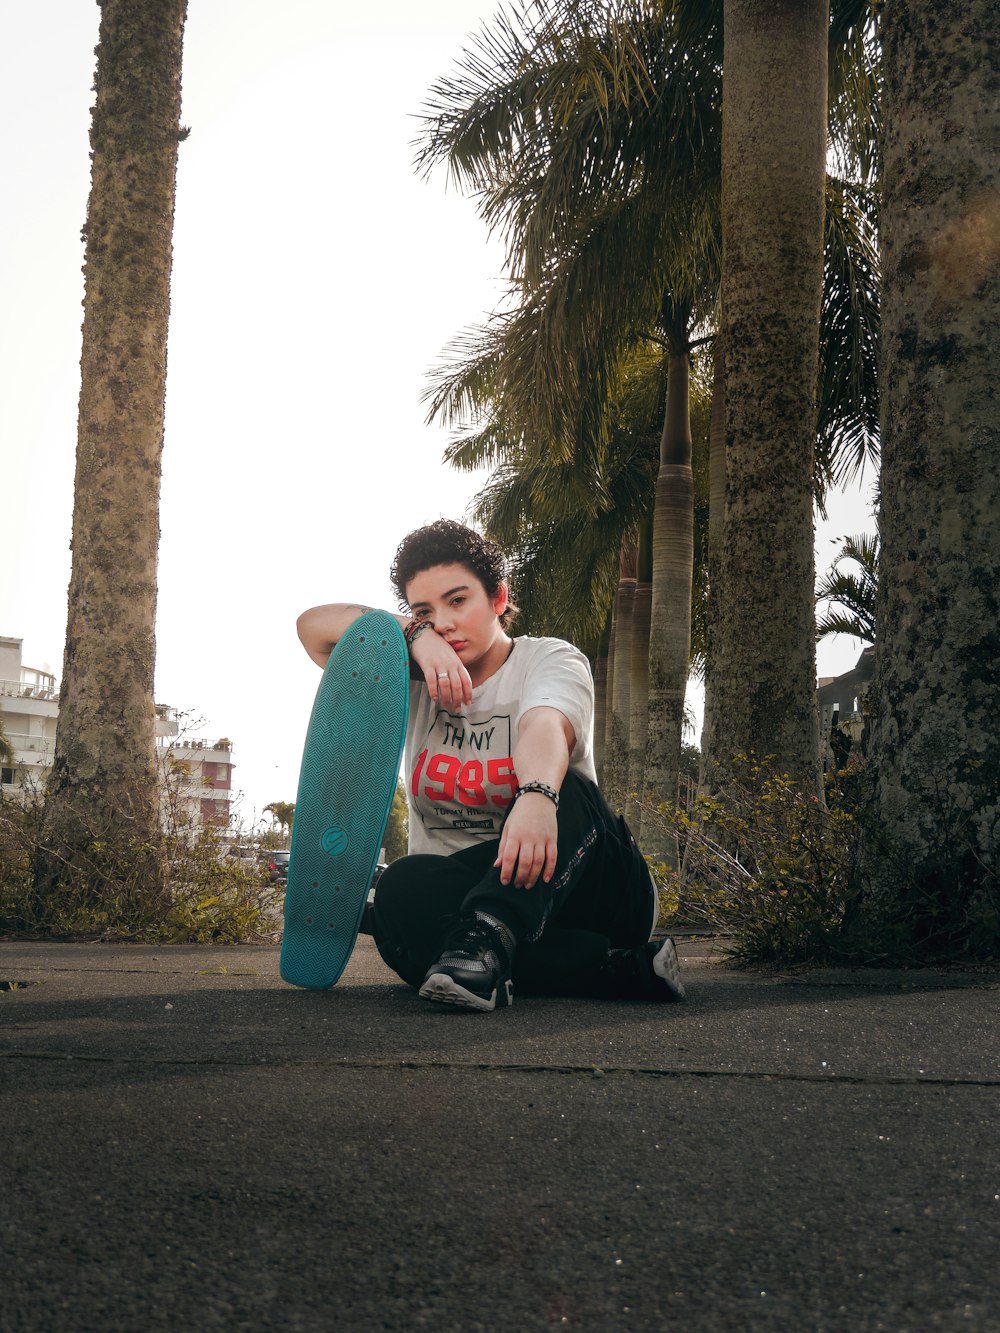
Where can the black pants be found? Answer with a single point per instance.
(600, 897)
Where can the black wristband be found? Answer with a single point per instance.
(542, 788)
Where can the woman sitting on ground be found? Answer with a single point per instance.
(518, 872)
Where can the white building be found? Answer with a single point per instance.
(198, 772)
(28, 710)
(843, 705)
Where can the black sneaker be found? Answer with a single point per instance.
(651, 972)
(473, 971)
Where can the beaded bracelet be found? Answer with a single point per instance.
(414, 628)
(542, 788)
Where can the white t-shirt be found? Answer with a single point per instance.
(459, 770)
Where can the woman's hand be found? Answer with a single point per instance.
(528, 842)
(448, 681)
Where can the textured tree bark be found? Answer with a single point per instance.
(619, 674)
(773, 160)
(102, 815)
(608, 765)
(601, 697)
(670, 634)
(638, 701)
(716, 530)
(936, 695)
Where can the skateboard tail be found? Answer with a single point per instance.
(350, 764)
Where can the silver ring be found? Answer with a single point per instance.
(442, 674)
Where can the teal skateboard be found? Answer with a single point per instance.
(349, 768)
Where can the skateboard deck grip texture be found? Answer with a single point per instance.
(346, 784)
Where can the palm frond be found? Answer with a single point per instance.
(564, 525)
(463, 385)
(854, 110)
(852, 594)
(547, 121)
(488, 447)
(847, 395)
(845, 622)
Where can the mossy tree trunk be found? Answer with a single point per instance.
(619, 683)
(936, 725)
(102, 813)
(716, 531)
(773, 162)
(669, 658)
(601, 696)
(638, 694)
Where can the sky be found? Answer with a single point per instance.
(316, 281)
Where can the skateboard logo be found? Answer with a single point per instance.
(334, 841)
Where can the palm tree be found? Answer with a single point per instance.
(571, 230)
(852, 593)
(563, 523)
(594, 142)
(616, 754)
(569, 525)
(848, 400)
(637, 729)
(669, 658)
(570, 531)
(773, 153)
(936, 743)
(103, 787)
(283, 814)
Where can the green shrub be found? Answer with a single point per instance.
(215, 898)
(210, 897)
(768, 867)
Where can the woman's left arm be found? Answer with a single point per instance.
(528, 843)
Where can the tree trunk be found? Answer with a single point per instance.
(670, 633)
(619, 672)
(102, 814)
(716, 535)
(638, 725)
(601, 697)
(936, 736)
(773, 159)
(606, 774)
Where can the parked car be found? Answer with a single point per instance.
(277, 867)
(245, 854)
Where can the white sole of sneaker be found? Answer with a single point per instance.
(442, 989)
(667, 967)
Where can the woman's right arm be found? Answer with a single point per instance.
(431, 657)
(321, 627)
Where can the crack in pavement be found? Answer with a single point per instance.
(935, 983)
(503, 1067)
(221, 970)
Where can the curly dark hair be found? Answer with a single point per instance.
(446, 542)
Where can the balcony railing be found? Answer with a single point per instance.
(171, 743)
(26, 689)
(21, 743)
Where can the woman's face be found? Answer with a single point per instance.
(454, 600)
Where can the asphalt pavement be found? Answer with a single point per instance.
(188, 1143)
